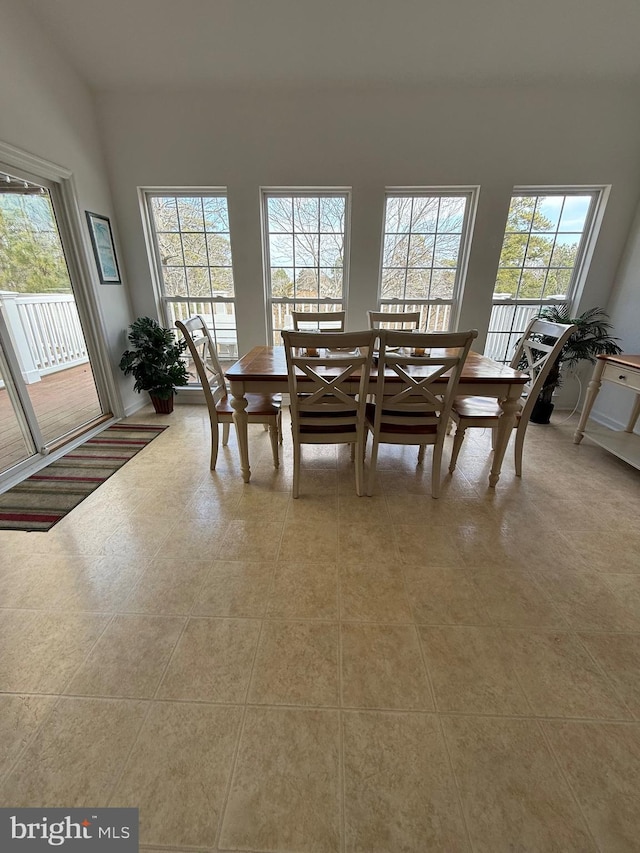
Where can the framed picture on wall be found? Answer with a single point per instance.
(103, 248)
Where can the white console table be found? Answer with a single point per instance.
(624, 371)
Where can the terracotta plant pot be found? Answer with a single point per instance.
(162, 406)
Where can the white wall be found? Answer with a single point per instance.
(46, 111)
(369, 139)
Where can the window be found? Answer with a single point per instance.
(190, 233)
(426, 236)
(542, 257)
(305, 251)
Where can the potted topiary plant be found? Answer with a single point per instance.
(590, 339)
(155, 362)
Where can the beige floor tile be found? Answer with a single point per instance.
(41, 651)
(212, 662)
(314, 509)
(560, 678)
(605, 550)
(304, 590)
(443, 596)
(382, 667)
(373, 591)
(129, 658)
(235, 589)
(251, 540)
(309, 541)
(104, 583)
(602, 764)
(20, 717)
(190, 540)
(351, 509)
(512, 598)
(471, 671)
(317, 481)
(178, 772)
(264, 504)
(76, 756)
(169, 587)
(399, 790)
(619, 657)
(429, 546)
(275, 802)
(296, 664)
(366, 540)
(593, 601)
(513, 795)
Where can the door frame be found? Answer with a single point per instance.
(77, 251)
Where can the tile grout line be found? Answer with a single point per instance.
(455, 781)
(242, 721)
(565, 778)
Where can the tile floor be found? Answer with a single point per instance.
(333, 673)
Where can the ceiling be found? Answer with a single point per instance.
(142, 44)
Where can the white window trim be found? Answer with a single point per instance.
(265, 193)
(472, 192)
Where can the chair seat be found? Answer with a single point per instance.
(477, 407)
(258, 404)
(400, 429)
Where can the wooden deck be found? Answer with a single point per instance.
(63, 401)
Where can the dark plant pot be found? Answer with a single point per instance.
(161, 405)
(541, 412)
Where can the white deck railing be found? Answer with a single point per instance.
(45, 330)
(508, 322)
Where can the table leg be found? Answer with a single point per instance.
(506, 422)
(239, 404)
(592, 392)
(635, 413)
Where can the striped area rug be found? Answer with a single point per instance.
(43, 499)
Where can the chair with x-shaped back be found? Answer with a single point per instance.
(261, 408)
(318, 321)
(535, 354)
(328, 374)
(418, 374)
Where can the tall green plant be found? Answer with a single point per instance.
(591, 338)
(155, 360)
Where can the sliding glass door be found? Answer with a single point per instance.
(47, 388)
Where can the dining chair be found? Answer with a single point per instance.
(328, 373)
(418, 375)
(401, 320)
(535, 354)
(318, 321)
(261, 408)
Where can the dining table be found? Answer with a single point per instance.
(264, 370)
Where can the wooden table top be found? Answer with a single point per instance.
(623, 359)
(266, 363)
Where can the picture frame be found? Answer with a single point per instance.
(103, 248)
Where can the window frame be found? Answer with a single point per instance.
(146, 194)
(310, 192)
(471, 193)
(526, 308)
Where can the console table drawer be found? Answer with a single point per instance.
(628, 377)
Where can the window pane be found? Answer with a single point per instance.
(165, 214)
(541, 250)
(575, 212)
(219, 249)
(421, 253)
(191, 236)
(190, 214)
(451, 216)
(216, 217)
(305, 233)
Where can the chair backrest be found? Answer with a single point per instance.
(205, 359)
(318, 321)
(536, 354)
(401, 320)
(328, 374)
(418, 374)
